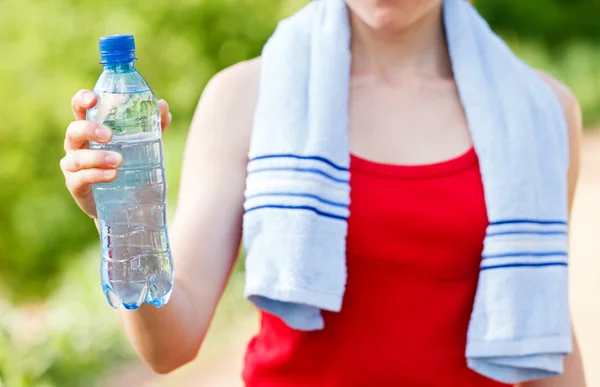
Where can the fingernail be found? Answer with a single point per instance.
(113, 159)
(103, 133)
(170, 117)
(109, 174)
(88, 97)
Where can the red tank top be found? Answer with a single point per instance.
(415, 236)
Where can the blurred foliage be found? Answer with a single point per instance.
(552, 23)
(48, 50)
(66, 342)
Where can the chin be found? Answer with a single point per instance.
(391, 15)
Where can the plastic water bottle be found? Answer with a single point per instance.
(136, 264)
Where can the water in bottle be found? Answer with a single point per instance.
(136, 263)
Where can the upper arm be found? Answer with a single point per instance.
(206, 231)
(573, 118)
(573, 367)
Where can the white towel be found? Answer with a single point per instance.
(297, 192)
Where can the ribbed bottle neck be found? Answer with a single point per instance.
(124, 67)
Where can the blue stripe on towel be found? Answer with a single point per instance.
(298, 195)
(524, 254)
(308, 170)
(512, 265)
(521, 232)
(306, 208)
(299, 157)
(529, 221)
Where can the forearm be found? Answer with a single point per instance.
(167, 337)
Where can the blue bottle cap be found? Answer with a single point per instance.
(117, 49)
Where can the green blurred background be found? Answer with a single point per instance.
(55, 327)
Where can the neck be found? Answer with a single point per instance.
(416, 52)
(124, 67)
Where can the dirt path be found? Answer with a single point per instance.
(221, 364)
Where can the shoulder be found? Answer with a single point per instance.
(228, 102)
(236, 86)
(246, 72)
(569, 103)
(572, 112)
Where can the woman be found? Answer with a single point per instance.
(401, 73)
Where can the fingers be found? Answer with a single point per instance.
(165, 115)
(80, 132)
(81, 101)
(77, 160)
(80, 182)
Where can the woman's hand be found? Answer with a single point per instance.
(82, 166)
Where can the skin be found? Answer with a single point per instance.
(400, 66)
